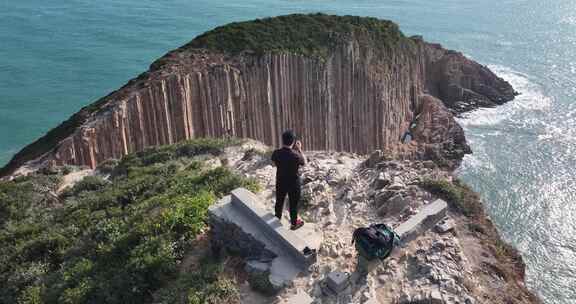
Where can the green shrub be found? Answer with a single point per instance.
(141, 161)
(115, 241)
(75, 270)
(460, 197)
(222, 290)
(220, 181)
(17, 198)
(126, 164)
(67, 169)
(152, 262)
(503, 250)
(4, 208)
(48, 247)
(107, 166)
(78, 294)
(213, 146)
(312, 35)
(207, 285)
(31, 295)
(261, 283)
(88, 183)
(187, 213)
(156, 157)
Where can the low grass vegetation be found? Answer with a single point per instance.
(305, 34)
(115, 240)
(460, 197)
(209, 285)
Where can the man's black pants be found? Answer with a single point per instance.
(293, 192)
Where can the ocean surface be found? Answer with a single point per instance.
(57, 56)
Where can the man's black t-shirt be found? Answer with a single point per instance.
(287, 162)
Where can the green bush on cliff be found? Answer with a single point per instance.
(116, 241)
(208, 285)
(306, 34)
(460, 197)
(89, 183)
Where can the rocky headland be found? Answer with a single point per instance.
(343, 83)
(375, 108)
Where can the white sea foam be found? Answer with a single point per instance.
(562, 131)
(484, 124)
(531, 98)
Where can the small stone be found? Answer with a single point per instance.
(417, 298)
(439, 245)
(337, 281)
(395, 205)
(445, 226)
(371, 301)
(404, 298)
(374, 158)
(382, 181)
(333, 252)
(428, 164)
(411, 211)
(383, 196)
(365, 296)
(436, 297)
(397, 186)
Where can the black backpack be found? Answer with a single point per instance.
(375, 241)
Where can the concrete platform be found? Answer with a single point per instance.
(424, 220)
(254, 227)
(293, 245)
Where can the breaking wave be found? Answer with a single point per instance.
(520, 116)
(532, 98)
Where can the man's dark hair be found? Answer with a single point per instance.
(288, 137)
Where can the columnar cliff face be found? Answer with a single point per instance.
(357, 97)
(346, 103)
(461, 83)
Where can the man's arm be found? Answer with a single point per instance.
(273, 158)
(298, 148)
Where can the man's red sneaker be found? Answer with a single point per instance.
(299, 223)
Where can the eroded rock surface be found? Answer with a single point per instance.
(449, 264)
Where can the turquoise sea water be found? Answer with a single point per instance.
(57, 56)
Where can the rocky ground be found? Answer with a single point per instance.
(343, 191)
(462, 260)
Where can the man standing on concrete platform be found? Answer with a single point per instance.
(288, 160)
